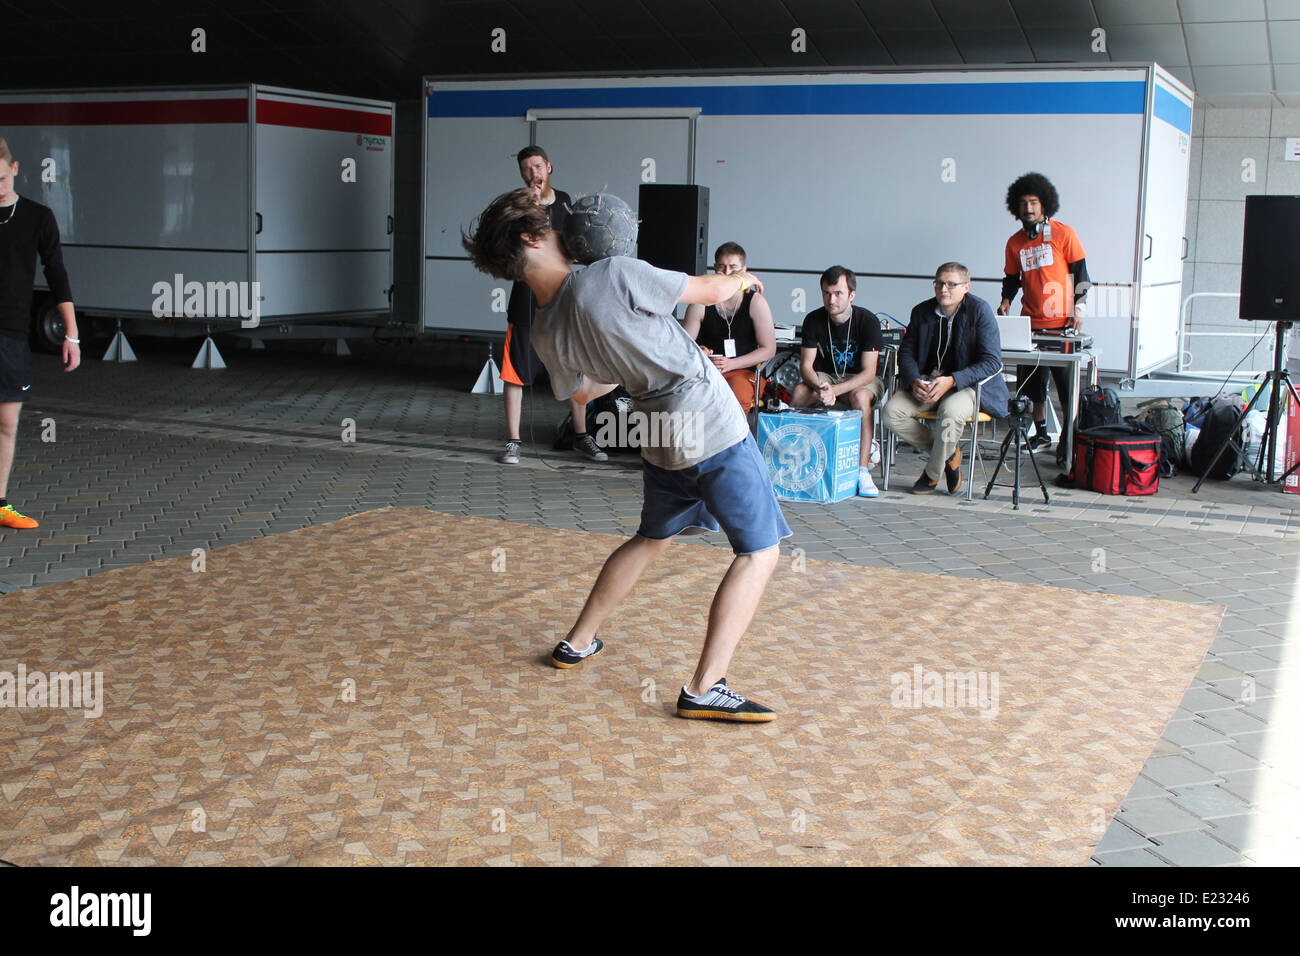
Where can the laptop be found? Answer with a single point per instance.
(1017, 336)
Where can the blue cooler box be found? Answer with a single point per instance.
(811, 456)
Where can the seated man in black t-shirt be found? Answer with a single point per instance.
(841, 344)
(738, 335)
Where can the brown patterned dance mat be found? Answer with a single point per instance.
(376, 691)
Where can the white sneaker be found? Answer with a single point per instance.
(866, 487)
(875, 453)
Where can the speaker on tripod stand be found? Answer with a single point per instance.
(1270, 292)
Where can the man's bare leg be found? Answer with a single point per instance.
(514, 396)
(733, 609)
(862, 401)
(8, 438)
(579, 410)
(622, 570)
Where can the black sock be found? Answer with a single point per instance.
(579, 435)
(3, 502)
(1041, 427)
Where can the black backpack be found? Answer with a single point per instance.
(1098, 406)
(616, 403)
(1222, 420)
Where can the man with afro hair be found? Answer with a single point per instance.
(1045, 263)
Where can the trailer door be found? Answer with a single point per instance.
(615, 151)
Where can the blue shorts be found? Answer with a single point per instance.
(731, 489)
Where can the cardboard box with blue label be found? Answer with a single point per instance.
(811, 456)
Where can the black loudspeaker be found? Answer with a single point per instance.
(1270, 260)
(674, 229)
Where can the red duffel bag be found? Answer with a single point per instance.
(1121, 459)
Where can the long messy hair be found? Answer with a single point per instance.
(496, 244)
(1033, 184)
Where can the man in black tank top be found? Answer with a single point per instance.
(519, 362)
(738, 335)
(27, 230)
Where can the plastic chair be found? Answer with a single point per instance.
(980, 418)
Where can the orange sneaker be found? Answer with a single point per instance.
(12, 519)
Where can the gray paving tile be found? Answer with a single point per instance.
(1177, 771)
(1196, 849)
(1220, 758)
(1210, 802)
(1137, 857)
(1253, 832)
(1231, 722)
(1154, 818)
(1185, 733)
(1118, 837)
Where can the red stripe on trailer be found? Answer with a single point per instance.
(280, 113)
(124, 112)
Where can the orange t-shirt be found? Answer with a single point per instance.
(1046, 287)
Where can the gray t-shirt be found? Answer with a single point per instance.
(613, 322)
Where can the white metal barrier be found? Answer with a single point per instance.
(1185, 356)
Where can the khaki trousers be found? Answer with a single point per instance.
(953, 411)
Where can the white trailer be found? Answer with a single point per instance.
(234, 207)
(888, 173)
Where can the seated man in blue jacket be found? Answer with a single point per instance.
(951, 345)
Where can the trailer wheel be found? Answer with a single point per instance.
(48, 330)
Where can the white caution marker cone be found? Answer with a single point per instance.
(209, 356)
(489, 380)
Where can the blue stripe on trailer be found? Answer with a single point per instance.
(1172, 110)
(939, 99)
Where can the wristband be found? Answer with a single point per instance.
(72, 340)
(744, 283)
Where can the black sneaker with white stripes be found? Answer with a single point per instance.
(719, 702)
(565, 656)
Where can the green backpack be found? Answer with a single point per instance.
(1166, 417)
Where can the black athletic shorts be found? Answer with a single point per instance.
(520, 362)
(15, 369)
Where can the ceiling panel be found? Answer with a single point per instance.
(691, 16)
(1232, 79)
(1060, 13)
(850, 48)
(1217, 11)
(975, 14)
(993, 46)
(1226, 44)
(745, 16)
(1283, 9)
(828, 15)
(1111, 12)
(1284, 41)
(1288, 78)
(900, 14)
(1161, 42)
(1051, 44)
(920, 46)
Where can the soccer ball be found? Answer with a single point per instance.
(598, 227)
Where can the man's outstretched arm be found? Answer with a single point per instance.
(712, 289)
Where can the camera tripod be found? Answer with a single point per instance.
(1018, 433)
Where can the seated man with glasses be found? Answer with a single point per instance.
(738, 335)
(841, 346)
(951, 344)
